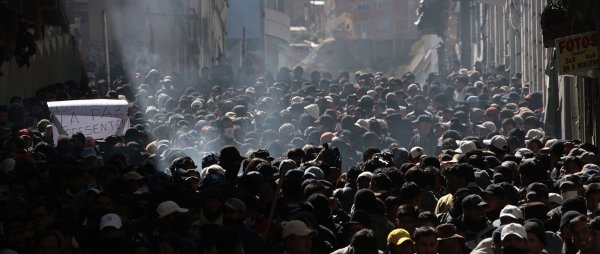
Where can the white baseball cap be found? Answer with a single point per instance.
(212, 169)
(513, 229)
(490, 126)
(497, 141)
(363, 124)
(465, 146)
(296, 99)
(512, 212)
(534, 134)
(555, 198)
(169, 207)
(110, 220)
(295, 227)
(521, 152)
(416, 152)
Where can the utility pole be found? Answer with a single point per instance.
(243, 47)
(106, 46)
(465, 34)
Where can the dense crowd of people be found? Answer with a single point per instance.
(359, 163)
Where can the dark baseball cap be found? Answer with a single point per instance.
(502, 171)
(566, 218)
(574, 204)
(536, 227)
(592, 188)
(473, 201)
(538, 189)
(535, 210)
(496, 190)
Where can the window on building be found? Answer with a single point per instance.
(384, 24)
(384, 4)
(363, 7)
(363, 26)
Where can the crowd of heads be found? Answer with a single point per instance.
(341, 163)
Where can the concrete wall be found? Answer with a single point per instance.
(277, 39)
(57, 60)
(277, 24)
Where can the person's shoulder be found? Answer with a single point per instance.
(343, 250)
(337, 192)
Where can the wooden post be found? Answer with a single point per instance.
(106, 49)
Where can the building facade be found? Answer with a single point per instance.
(173, 36)
(259, 32)
(388, 24)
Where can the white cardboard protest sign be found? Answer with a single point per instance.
(94, 118)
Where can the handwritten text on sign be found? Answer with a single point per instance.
(94, 118)
(577, 53)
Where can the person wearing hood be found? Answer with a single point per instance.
(365, 200)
